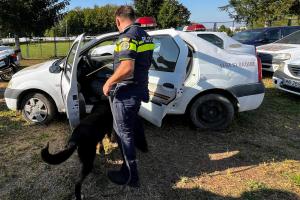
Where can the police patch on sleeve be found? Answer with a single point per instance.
(124, 46)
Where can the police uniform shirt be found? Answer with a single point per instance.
(135, 44)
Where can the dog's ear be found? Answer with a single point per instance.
(47, 146)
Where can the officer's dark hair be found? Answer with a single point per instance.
(126, 12)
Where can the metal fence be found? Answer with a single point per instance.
(43, 47)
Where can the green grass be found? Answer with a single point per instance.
(45, 50)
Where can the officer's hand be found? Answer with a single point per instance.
(106, 88)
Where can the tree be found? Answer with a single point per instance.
(91, 20)
(173, 14)
(24, 18)
(148, 7)
(251, 11)
(223, 28)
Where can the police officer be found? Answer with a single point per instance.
(132, 60)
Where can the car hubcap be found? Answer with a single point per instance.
(211, 112)
(35, 110)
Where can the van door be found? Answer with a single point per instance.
(166, 75)
(69, 85)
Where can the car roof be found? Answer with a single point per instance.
(268, 28)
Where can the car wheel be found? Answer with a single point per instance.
(38, 108)
(6, 76)
(212, 111)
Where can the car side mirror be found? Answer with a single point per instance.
(55, 69)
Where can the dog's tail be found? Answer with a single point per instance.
(60, 157)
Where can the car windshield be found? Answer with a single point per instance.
(247, 35)
(3, 48)
(291, 39)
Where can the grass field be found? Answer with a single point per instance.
(45, 50)
(257, 158)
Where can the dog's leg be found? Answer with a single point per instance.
(86, 156)
(86, 169)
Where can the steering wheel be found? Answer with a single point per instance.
(88, 62)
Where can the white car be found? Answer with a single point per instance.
(188, 75)
(287, 78)
(223, 41)
(279, 53)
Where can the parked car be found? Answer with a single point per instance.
(277, 54)
(188, 75)
(223, 41)
(262, 36)
(287, 78)
(8, 62)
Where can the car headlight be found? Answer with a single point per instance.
(281, 56)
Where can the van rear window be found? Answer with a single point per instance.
(291, 39)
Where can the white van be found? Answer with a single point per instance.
(279, 53)
(188, 75)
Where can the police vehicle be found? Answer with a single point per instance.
(287, 78)
(222, 40)
(188, 75)
(276, 55)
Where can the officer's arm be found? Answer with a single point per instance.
(124, 71)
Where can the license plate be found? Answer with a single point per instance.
(291, 83)
(2, 63)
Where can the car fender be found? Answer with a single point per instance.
(54, 93)
(189, 93)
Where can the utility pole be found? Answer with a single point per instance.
(66, 28)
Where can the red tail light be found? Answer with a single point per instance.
(259, 69)
(14, 56)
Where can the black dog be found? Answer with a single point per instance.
(85, 138)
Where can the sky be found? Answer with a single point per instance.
(201, 10)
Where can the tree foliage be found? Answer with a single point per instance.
(225, 29)
(23, 17)
(251, 11)
(173, 14)
(91, 20)
(148, 7)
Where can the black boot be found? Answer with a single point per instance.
(121, 177)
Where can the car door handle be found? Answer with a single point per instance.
(169, 85)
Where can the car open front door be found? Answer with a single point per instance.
(166, 75)
(69, 83)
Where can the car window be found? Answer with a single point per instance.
(273, 35)
(289, 30)
(165, 54)
(70, 60)
(294, 38)
(247, 35)
(111, 41)
(213, 39)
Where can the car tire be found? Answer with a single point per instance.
(212, 112)
(7, 76)
(37, 108)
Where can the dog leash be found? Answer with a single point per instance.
(111, 98)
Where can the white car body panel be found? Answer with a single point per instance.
(274, 48)
(69, 84)
(286, 73)
(212, 68)
(230, 44)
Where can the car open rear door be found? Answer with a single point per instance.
(69, 85)
(166, 76)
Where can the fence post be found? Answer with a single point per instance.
(55, 48)
(41, 49)
(27, 48)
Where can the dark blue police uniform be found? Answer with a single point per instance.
(133, 44)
